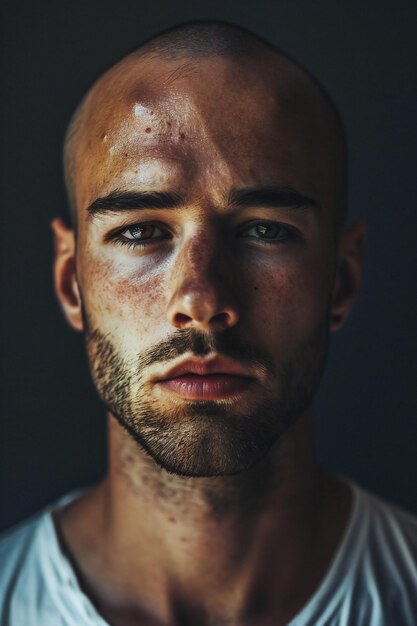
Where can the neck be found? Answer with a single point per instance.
(222, 542)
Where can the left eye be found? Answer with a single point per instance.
(267, 231)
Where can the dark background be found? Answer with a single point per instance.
(52, 426)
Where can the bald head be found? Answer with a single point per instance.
(223, 69)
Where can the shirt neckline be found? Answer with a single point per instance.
(323, 589)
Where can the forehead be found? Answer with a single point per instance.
(212, 125)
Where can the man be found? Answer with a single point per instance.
(206, 263)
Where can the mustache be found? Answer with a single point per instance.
(183, 341)
(201, 344)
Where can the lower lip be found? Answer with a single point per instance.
(211, 387)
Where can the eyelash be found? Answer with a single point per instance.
(285, 233)
(119, 240)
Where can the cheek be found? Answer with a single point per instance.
(286, 303)
(120, 302)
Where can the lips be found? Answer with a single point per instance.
(206, 380)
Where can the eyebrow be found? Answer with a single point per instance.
(275, 197)
(119, 200)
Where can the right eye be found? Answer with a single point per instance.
(141, 232)
(139, 235)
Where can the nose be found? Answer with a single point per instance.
(201, 298)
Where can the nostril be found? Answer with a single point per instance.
(181, 319)
(225, 319)
(220, 318)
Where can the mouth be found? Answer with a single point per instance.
(206, 380)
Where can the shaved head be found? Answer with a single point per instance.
(206, 173)
(202, 39)
(176, 56)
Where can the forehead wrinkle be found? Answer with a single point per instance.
(168, 77)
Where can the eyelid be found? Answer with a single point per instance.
(141, 226)
(289, 228)
(117, 232)
(117, 238)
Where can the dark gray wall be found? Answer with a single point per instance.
(52, 428)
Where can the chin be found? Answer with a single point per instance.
(206, 445)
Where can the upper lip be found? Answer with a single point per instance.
(204, 368)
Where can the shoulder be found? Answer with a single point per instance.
(386, 557)
(23, 545)
(32, 571)
(20, 550)
(372, 580)
(389, 528)
(18, 543)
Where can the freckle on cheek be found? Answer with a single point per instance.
(148, 130)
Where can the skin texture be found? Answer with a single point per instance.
(248, 535)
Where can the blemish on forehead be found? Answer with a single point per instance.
(144, 130)
(139, 110)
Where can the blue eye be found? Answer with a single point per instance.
(267, 232)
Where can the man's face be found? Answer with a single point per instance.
(230, 268)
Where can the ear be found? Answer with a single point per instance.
(65, 278)
(349, 273)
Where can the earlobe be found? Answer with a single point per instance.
(65, 277)
(349, 273)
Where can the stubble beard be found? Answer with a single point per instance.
(206, 438)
